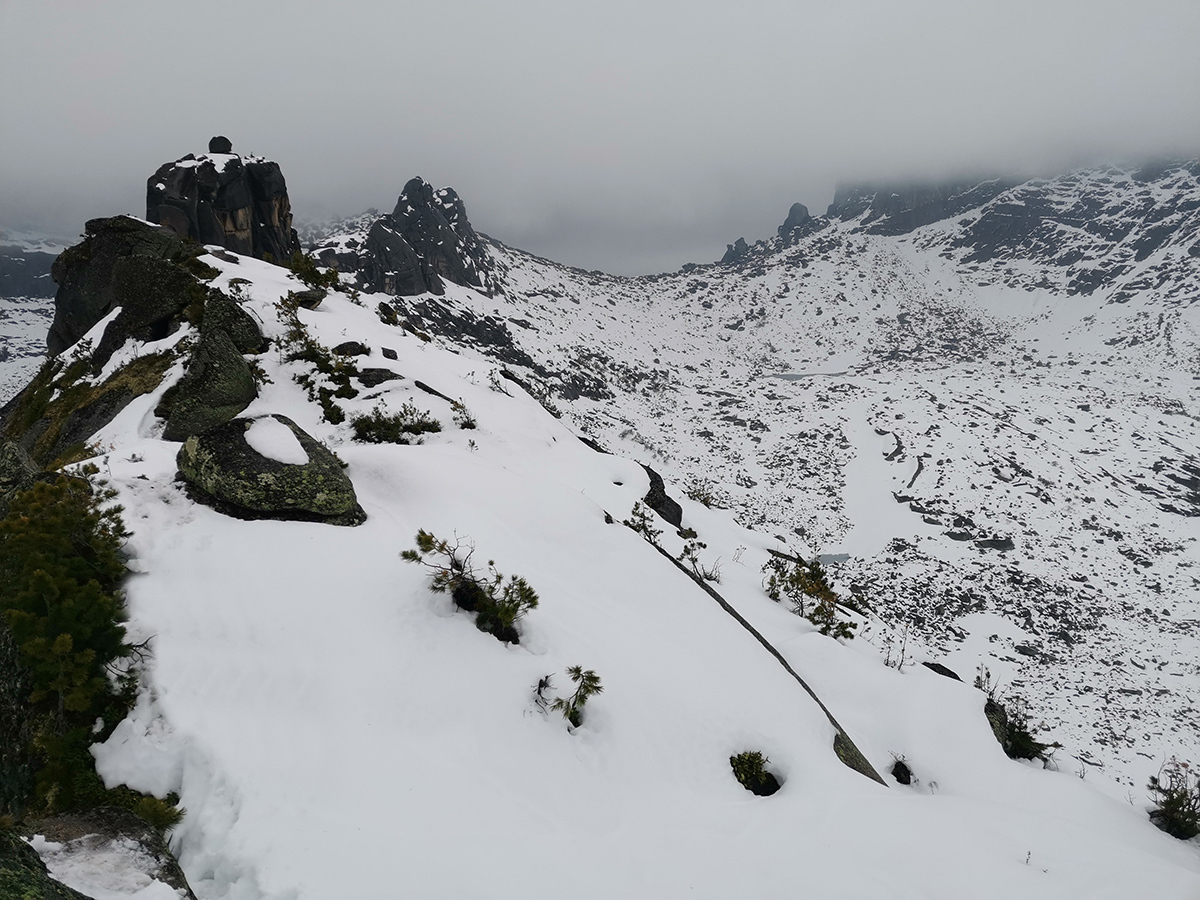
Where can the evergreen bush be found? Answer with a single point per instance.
(1175, 791)
(497, 604)
(60, 595)
(587, 684)
(749, 768)
(806, 586)
(381, 427)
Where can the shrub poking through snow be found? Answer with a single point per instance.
(690, 555)
(587, 684)
(641, 520)
(1010, 722)
(330, 375)
(497, 604)
(703, 491)
(1175, 791)
(463, 417)
(749, 768)
(381, 427)
(305, 268)
(806, 586)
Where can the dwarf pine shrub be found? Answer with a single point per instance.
(381, 427)
(749, 768)
(641, 520)
(60, 597)
(497, 604)
(587, 684)
(806, 586)
(1175, 791)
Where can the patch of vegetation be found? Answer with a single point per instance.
(381, 427)
(806, 586)
(497, 604)
(304, 267)
(587, 685)
(330, 377)
(703, 491)
(749, 768)
(691, 556)
(1175, 791)
(1010, 722)
(641, 520)
(463, 417)
(60, 391)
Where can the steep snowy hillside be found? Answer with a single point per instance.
(983, 398)
(334, 728)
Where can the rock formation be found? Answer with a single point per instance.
(224, 471)
(239, 202)
(426, 241)
(796, 217)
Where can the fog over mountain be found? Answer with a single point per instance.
(628, 137)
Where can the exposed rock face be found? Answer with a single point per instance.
(149, 272)
(118, 832)
(658, 500)
(797, 216)
(215, 388)
(239, 202)
(230, 475)
(899, 209)
(426, 241)
(735, 251)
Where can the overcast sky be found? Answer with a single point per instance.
(626, 136)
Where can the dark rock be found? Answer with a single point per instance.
(223, 313)
(899, 209)
(94, 830)
(216, 387)
(240, 203)
(220, 144)
(17, 472)
(388, 353)
(310, 299)
(374, 377)
(797, 217)
(595, 445)
(23, 875)
(425, 241)
(656, 498)
(735, 251)
(149, 272)
(941, 670)
(995, 543)
(354, 348)
(422, 386)
(225, 472)
(901, 772)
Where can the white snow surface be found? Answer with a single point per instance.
(104, 869)
(334, 729)
(274, 440)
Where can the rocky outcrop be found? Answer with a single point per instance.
(899, 209)
(796, 217)
(17, 472)
(224, 471)
(426, 241)
(150, 273)
(735, 251)
(239, 202)
(658, 500)
(99, 839)
(215, 388)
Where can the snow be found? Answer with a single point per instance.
(103, 869)
(274, 440)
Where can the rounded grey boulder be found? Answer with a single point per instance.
(223, 471)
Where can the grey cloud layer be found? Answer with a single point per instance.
(625, 136)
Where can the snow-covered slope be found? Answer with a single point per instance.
(992, 414)
(336, 729)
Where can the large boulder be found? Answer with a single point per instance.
(150, 273)
(426, 241)
(289, 476)
(215, 388)
(239, 202)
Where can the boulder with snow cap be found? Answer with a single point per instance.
(268, 468)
